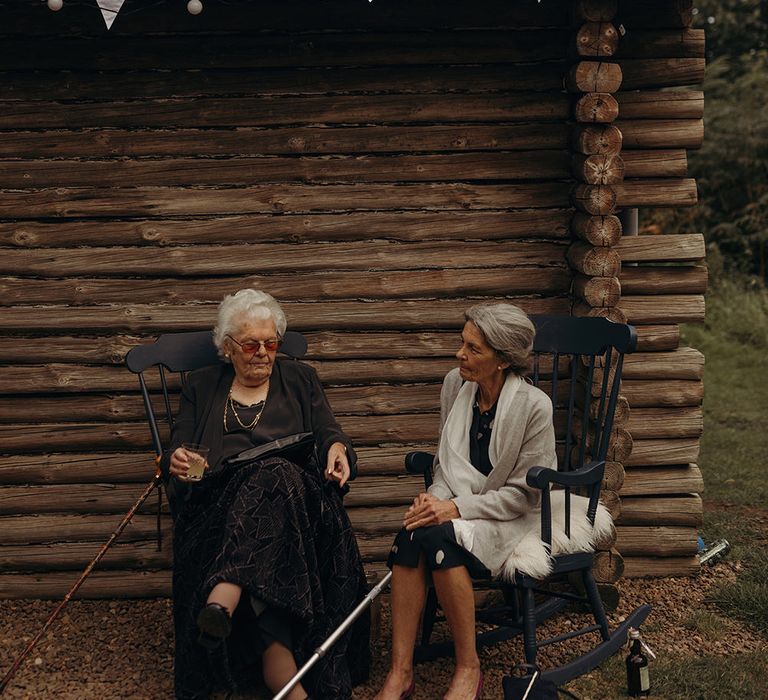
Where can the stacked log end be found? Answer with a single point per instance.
(598, 168)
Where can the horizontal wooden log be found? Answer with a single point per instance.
(658, 541)
(595, 200)
(670, 308)
(608, 567)
(661, 133)
(678, 422)
(668, 163)
(334, 14)
(277, 199)
(111, 350)
(101, 584)
(274, 257)
(655, 338)
(663, 451)
(86, 84)
(52, 528)
(260, 228)
(663, 192)
(655, 394)
(302, 316)
(265, 111)
(598, 170)
(323, 345)
(594, 10)
(683, 363)
(294, 51)
(673, 14)
(660, 567)
(118, 498)
(682, 511)
(247, 141)
(65, 556)
(130, 468)
(63, 378)
(188, 172)
(597, 39)
(597, 230)
(594, 76)
(651, 43)
(594, 261)
(677, 279)
(352, 400)
(38, 437)
(596, 139)
(326, 285)
(642, 73)
(680, 247)
(597, 291)
(661, 104)
(658, 481)
(596, 108)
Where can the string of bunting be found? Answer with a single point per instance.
(111, 8)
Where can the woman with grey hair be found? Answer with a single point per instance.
(265, 561)
(494, 427)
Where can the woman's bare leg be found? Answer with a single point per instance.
(408, 593)
(279, 667)
(227, 595)
(454, 591)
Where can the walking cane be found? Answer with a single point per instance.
(321, 651)
(88, 569)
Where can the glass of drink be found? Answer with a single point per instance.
(197, 455)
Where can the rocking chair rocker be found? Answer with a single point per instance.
(594, 349)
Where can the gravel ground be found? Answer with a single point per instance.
(124, 649)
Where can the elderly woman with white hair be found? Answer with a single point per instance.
(265, 561)
(494, 427)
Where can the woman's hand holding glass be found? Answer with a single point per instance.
(337, 465)
(189, 462)
(429, 510)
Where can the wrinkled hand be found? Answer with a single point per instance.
(179, 464)
(337, 467)
(429, 510)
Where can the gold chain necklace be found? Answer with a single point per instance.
(231, 404)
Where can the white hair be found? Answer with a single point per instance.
(245, 305)
(508, 330)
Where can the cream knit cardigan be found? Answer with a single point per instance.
(500, 521)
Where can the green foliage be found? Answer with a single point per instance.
(731, 169)
(734, 27)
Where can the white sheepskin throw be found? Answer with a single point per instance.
(531, 556)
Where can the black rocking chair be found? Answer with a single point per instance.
(589, 352)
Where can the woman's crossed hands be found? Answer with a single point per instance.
(429, 510)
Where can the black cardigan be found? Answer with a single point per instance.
(296, 403)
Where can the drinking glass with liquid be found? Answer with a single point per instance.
(197, 458)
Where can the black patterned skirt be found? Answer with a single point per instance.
(281, 533)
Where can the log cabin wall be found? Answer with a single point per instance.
(377, 167)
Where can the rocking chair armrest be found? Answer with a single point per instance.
(420, 463)
(588, 475)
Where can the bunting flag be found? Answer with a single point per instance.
(109, 10)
